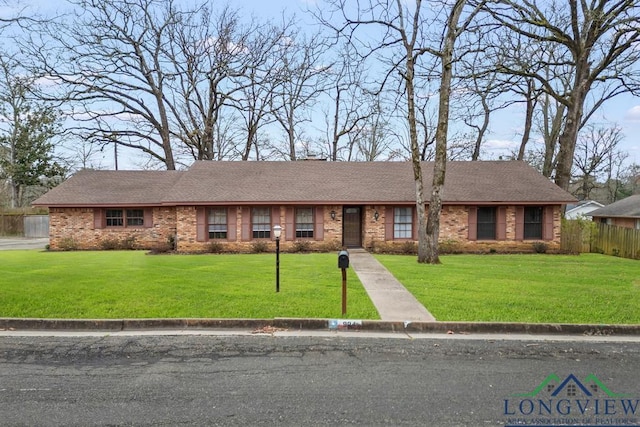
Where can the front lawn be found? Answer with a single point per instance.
(132, 284)
(588, 288)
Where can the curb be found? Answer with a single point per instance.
(113, 325)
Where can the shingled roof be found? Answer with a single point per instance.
(626, 208)
(108, 188)
(314, 182)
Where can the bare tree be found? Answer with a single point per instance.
(351, 104)
(258, 84)
(110, 57)
(222, 67)
(375, 136)
(595, 157)
(300, 77)
(596, 44)
(615, 176)
(405, 39)
(207, 51)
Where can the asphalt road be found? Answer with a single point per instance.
(297, 380)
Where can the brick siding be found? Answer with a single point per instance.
(74, 227)
(71, 228)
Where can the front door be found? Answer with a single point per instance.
(352, 226)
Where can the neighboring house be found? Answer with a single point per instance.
(623, 213)
(487, 205)
(582, 209)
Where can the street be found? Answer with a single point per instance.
(309, 380)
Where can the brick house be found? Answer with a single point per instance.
(487, 205)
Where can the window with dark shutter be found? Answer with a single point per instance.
(533, 222)
(217, 223)
(304, 222)
(402, 223)
(261, 223)
(486, 223)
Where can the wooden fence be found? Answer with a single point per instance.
(586, 236)
(26, 225)
(617, 241)
(36, 226)
(11, 224)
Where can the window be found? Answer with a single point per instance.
(533, 222)
(124, 217)
(115, 217)
(261, 223)
(486, 223)
(217, 223)
(402, 223)
(304, 222)
(135, 217)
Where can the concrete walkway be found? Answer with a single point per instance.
(392, 300)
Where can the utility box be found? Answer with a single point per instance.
(343, 259)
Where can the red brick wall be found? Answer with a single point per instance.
(75, 227)
(71, 228)
(454, 232)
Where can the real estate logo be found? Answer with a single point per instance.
(572, 402)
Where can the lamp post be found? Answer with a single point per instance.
(277, 231)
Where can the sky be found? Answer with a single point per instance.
(506, 125)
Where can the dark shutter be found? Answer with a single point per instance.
(473, 223)
(98, 218)
(414, 226)
(501, 223)
(232, 224)
(319, 226)
(547, 218)
(388, 223)
(148, 217)
(201, 224)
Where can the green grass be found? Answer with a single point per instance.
(589, 288)
(131, 284)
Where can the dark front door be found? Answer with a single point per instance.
(352, 226)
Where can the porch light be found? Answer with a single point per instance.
(333, 215)
(277, 231)
(376, 215)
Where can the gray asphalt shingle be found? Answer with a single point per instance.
(306, 182)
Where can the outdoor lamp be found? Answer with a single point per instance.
(277, 231)
(333, 215)
(376, 215)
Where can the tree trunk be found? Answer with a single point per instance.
(440, 164)
(483, 129)
(569, 136)
(416, 163)
(528, 120)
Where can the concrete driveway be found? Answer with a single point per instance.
(11, 243)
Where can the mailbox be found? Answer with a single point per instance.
(343, 259)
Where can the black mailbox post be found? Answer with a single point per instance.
(343, 259)
(343, 264)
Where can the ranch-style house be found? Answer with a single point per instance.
(502, 206)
